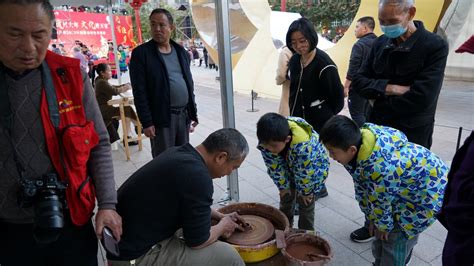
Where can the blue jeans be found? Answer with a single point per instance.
(395, 250)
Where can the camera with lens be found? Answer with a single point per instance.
(46, 195)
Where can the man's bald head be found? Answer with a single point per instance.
(396, 17)
(405, 4)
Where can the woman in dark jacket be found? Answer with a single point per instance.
(316, 92)
(104, 92)
(457, 214)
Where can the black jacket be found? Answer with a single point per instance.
(418, 62)
(151, 86)
(320, 95)
(457, 214)
(360, 51)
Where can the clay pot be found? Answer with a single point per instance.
(306, 249)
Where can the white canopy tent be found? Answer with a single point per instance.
(92, 3)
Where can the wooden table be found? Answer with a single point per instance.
(122, 102)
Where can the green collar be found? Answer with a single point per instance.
(368, 143)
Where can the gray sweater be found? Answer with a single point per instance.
(29, 140)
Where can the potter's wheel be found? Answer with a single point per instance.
(257, 231)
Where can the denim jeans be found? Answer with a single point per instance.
(395, 250)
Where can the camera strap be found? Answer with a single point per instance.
(6, 113)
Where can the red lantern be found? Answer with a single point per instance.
(136, 5)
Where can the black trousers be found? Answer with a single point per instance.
(77, 246)
(359, 108)
(420, 135)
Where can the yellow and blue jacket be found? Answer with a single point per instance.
(306, 163)
(396, 181)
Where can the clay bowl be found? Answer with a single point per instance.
(260, 252)
(306, 249)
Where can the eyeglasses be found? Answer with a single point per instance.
(300, 41)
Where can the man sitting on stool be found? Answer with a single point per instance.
(166, 206)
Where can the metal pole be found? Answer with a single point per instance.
(459, 139)
(114, 41)
(283, 6)
(139, 24)
(227, 91)
(253, 97)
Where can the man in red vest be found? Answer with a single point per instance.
(55, 157)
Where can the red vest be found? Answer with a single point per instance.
(69, 145)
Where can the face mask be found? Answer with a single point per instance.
(393, 31)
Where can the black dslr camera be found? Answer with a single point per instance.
(46, 195)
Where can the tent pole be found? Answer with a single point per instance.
(227, 91)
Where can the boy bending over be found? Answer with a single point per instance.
(297, 162)
(399, 185)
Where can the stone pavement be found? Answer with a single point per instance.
(338, 214)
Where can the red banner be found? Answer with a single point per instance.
(93, 30)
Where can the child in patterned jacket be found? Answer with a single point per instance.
(296, 161)
(399, 185)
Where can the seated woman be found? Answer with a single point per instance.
(104, 92)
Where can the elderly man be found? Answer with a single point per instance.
(163, 86)
(166, 206)
(55, 155)
(403, 74)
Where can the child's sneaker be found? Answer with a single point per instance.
(323, 193)
(361, 235)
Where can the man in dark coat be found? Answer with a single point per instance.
(163, 86)
(359, 107)
(404, 73)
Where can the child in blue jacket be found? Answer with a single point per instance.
(296, 161)
(399, 185)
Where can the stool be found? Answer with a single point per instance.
(125, 102)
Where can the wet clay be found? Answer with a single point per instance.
(265, 250)
(256, 231)
(305, 251)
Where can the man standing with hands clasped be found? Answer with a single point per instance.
(163, 86)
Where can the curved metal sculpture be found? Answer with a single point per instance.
(255, 57)
(203, 13)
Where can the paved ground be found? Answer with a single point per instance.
(338, 214)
